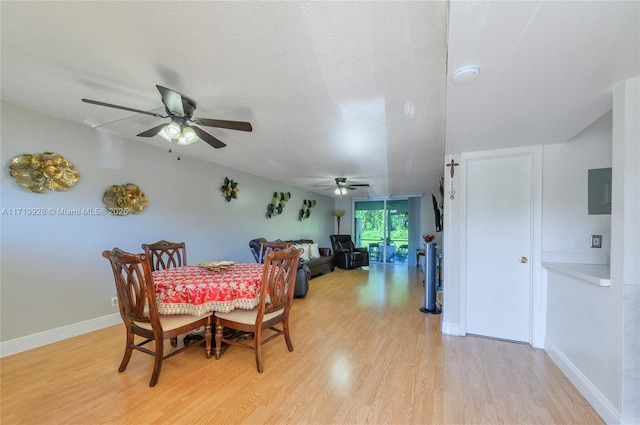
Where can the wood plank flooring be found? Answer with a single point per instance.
(364, 354)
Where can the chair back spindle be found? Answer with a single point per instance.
(267, 247)
(164, 255)
(134, 289)
(279, 279)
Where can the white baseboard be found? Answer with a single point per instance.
(39, 339)
(589, 391)
(449, 328)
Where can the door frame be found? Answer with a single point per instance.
(537, 316)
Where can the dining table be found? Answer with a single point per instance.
(198, 290)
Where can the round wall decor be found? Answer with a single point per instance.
(42, 171)
(124, 199)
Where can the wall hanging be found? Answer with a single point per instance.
(452, 171)
(305, 211)
(278, 203)
(229, 189)
(124, 199)
(42, 171)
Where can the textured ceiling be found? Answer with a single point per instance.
(548, 69)
(332, 89)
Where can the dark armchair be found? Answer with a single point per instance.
(347, 255)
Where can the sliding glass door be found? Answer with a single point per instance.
(383, 228)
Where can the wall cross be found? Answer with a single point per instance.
(452, 164)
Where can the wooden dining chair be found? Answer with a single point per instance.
(267, 247)
(163, 254)
(276, 297)
(139, 311)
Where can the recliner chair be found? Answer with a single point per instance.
(347, 255)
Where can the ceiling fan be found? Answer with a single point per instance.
(342, 188)
(180, 109)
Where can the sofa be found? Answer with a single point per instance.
(322, 264)
(307, 267)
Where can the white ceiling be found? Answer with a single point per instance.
(548, 69)
(333, 89)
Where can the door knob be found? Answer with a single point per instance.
(524, 260)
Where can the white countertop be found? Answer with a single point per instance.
(597, 274)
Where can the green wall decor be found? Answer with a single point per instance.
(305, 211)
(229, 189)
(278, 202)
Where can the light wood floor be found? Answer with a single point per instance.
(364, 354)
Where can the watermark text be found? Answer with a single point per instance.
(31, 211)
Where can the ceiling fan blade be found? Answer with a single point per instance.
(360, 185)
(152, 131)
(95, 102)
(172, 100)
(208, 138)
(231, 125)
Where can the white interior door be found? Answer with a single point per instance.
(498, 235)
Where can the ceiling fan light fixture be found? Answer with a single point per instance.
(173, 130)
(163, 133)
(340, 191)
(188, 136)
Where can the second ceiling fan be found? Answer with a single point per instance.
(342, 187)
(180, 109)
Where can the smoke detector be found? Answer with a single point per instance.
(466, 74)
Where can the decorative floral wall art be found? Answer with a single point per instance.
(278, 203)
(229, 189)
(305, 211)
(124, 199)
(42, 171)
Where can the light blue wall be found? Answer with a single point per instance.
(52, 271)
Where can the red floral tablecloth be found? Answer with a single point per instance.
(194, 290)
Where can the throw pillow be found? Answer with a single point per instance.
(315, 251)
(305, 252)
